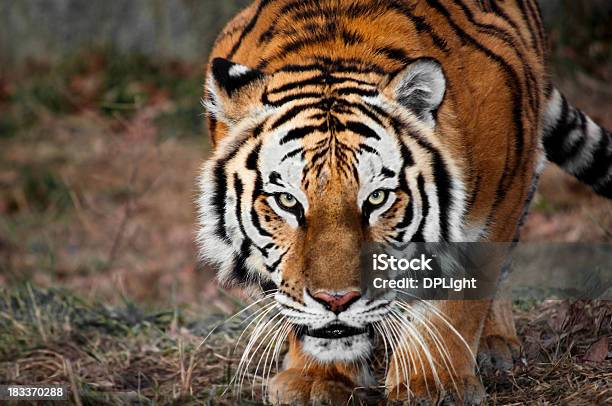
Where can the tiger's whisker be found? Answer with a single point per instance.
(249, 353)
(399, 355)
(257, 330)
(410, 332)
(442, 317)
(266, 352)
(442, 349)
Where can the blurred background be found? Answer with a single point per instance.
(102, 134)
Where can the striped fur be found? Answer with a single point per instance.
(318, 108)
(577, 144)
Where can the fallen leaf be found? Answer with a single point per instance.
(559, 319)
(598, 351)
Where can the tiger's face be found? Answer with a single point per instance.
(314, 163)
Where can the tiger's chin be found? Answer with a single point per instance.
(337, 343)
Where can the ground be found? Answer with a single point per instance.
(99, 283)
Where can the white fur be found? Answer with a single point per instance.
(553, 110)
(315, 316)
(424, 76)
(585, 157)
(352, 348)
(212, 248)
(238, 70)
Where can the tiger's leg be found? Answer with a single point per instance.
(306, 381)
(452, 379)
(499, 344)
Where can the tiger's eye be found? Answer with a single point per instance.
(377, 197)
(287, 201)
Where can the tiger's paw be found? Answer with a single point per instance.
(423, 392)
(497, 355)
(300, 387)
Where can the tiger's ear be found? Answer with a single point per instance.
(232, 90)
(420, 88)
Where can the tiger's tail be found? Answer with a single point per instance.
(577, 144)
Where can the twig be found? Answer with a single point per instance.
(73, 383)
(39, 323)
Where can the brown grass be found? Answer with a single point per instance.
(120, 354)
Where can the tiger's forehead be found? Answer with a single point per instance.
(318, 80)
(325, 134)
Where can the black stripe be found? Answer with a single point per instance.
(418, 236)
(269, 33)
(272, 268)
(239, 190)
(344, 91)
(336, 65)
(327, 104)
(601, 162)
(487, 28)
(569, 152)
(293, 153)
(362, 130)
(367, 148)
(253, 158)
(351, 65)
(442, 178)
(314, 13)
(299, 133)
(534, 11)
(554, 140)
(228, 32)
(406, 157)
(220, 187)
(218, 200)
(240, 271)
(409, 212)
(351, 37)
(291, 113)
(290, 98)
(357, 10)
(514, 86)
(420, 24)
(496, 9)
(275, 179)
(262, 4)
(327, 78)
(387, 173)
(504, 36)
(443, 185)
(364, 110)
(321, 34)
(315, 80)
(257, 191)
(395, 54)
(530, 28)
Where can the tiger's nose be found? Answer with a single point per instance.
(337, 302)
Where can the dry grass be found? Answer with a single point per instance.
(125, 354)
(112, 355)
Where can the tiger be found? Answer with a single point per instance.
(336, 123)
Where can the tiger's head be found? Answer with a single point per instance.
(310, 163)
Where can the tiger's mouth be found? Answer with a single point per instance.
(333, 331)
